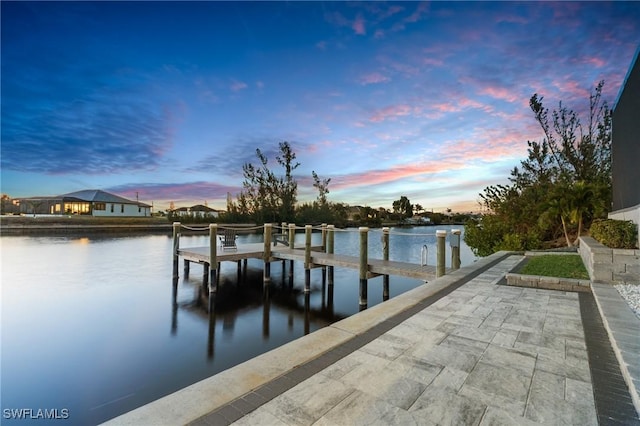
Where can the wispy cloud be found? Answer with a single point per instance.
(237, 86)
(358, 25)
(500, 93)
(86, 130)
(390, 113)
(373, 78)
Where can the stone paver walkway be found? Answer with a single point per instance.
(477, 353)
(484, 354)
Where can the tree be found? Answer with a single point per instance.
(288, 186)
(565, 179)
(265, 196)
(323, 188)
(403, 207)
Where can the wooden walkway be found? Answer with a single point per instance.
(376, 267)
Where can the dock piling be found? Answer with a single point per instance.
(186, 268)
(455, 249)
(176, 247)
(307, 258)
(364, 240)
(324, 248)
(267, 255)
(330, 243)
(292, 242)
(441, 235)
(385, 256)
(213, 265)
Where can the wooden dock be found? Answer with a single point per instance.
(311, 256)
(376, 267)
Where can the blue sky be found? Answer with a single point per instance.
(168, 100)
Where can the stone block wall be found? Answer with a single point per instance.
(608, 265)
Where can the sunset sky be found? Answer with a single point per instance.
(168, 100)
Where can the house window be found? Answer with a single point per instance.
(139, 209)
(121, 208)
(100, 206)
(111, 208)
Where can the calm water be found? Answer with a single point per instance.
(89, 324)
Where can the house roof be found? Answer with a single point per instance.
(96, 195)
(635, 62)
(201, 208)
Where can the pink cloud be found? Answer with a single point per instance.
(376, 177)
(390, 112)
(595, 61)
(572, 87)
(358, 25)
(373, 78)
(499, 93)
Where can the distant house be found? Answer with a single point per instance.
(91, 202)
(625, 148)
(198, 210)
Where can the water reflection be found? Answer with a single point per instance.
(246, 291)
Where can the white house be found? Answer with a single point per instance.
(92, 202)
(198, 210)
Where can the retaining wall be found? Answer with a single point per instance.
(608, 265)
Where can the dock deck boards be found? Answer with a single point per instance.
(256, 251)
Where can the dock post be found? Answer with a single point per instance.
(292, 235)
(213, 265)
(174, 300)
(441, 235)
(455, 249)
(307, 258)
(364, 263)
(176, 247)
(385, 256)
(292, 242)
(205, 277)
(284, 227)
(186, 268)
(330, 242)
(324, 248)
(324, 236)
(267, 255)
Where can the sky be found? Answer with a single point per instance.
(165, 101)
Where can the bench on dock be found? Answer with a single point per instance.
(228, 240)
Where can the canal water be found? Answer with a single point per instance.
(90, 327)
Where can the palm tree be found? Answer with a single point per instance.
(580, 202)
(557, 206)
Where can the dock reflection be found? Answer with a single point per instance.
(237, 299)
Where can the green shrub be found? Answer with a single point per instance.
(615, 233)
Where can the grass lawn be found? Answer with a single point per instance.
(562, 266)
